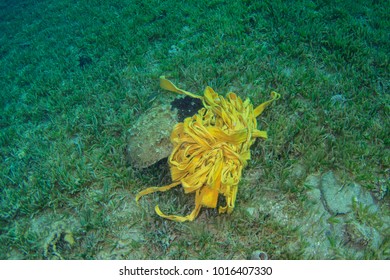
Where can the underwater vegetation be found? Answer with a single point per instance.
(76, 76)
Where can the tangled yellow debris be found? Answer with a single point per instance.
(211, 148)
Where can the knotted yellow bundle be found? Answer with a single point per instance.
(210, 149)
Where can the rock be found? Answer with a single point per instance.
(329, 216)
(251, 211)
(312, 182)
(259, 255)
(298, 172)
(149, 137)
(55, 235)
(338, 198)
(362, 235)
(314, 224)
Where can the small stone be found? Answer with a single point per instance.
(363, 236)
(314, 195)
(251, 211)
(69, 238)
(259, 255)
(313, 181)
(298, 172)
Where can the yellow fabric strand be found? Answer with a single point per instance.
(155, 189)
(210, 149)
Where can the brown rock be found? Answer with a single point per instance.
(149, 138)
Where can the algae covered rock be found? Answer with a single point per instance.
(339, 198)
(149, 137)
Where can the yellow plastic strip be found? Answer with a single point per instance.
(176, 218)
(259, 109)
(260, 133)
(190, 217)
(155, 189)
(168, 85)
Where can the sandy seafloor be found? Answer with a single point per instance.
(77, 75)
